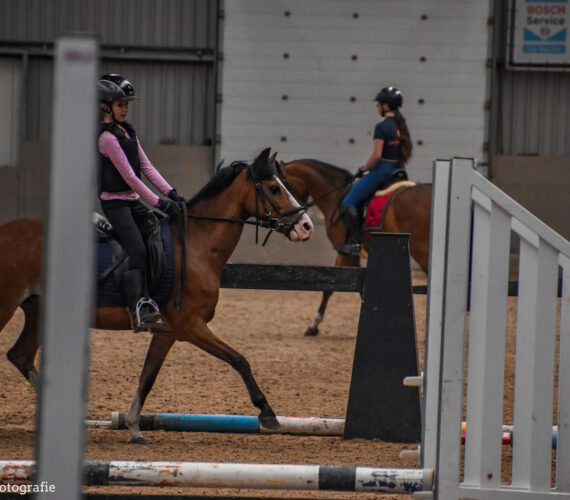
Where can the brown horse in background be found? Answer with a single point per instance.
(216, 216)
(408, 211)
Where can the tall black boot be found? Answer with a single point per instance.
(353, 240)
(143, 311)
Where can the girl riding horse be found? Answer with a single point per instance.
(122, 163)
(392, 150)
(215, 220)
(408, 211)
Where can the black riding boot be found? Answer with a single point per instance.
(352, 242)
(143, 311)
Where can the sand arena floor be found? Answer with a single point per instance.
(300, 376)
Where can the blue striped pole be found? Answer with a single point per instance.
(309, 426)
(235, 475)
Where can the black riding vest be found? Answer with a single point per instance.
(110, 180)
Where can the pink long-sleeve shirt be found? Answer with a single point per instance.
(109, 146)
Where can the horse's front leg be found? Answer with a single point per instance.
(155, 356)
(202, 337)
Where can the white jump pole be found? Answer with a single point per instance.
(68, 271)
(236, 475)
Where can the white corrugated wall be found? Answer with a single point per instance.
(300, 76)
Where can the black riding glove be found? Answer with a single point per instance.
(174, 196)
(359, 173)
(169, 208)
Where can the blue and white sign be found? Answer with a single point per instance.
(540, 33)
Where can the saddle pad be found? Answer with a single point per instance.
(374, 211)
(111, 295)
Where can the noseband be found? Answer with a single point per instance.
(270, 221)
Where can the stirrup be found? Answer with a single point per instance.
(147, 317)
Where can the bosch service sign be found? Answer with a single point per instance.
(539, 31)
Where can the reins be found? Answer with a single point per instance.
(270, 222)
(179, 294)
(315, 200)
(345, 186)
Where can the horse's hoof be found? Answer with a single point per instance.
(312, 331)
(137, 440)
(269, 421)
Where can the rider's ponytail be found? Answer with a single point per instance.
(405, 139)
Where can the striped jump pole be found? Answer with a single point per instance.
(235, 475)
(507, 435)
(245, 424)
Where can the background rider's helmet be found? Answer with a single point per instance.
(391, 96)
(113, 87)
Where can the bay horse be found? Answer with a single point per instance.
(215, 219)
(408, 211)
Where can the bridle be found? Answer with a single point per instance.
(269, 220)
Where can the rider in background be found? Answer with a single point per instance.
(392, 150)
(122, 163)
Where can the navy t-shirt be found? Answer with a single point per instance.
(387, 130)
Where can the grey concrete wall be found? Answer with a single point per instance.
(23, 188)
(540, 184)
(9, 187)
(187, 168)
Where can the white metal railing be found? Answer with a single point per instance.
(472, 221)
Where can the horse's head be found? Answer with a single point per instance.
(295, 185)
(273, 203)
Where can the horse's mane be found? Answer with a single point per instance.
(325, 168)
(225, 176)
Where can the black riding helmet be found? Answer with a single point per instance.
(113, 87)
(391, 96)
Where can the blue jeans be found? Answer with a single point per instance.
(366, 186)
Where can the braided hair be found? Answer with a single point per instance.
(405, 139)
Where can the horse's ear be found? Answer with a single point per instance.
(263, 157)
(272, 158)
(261, 166)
